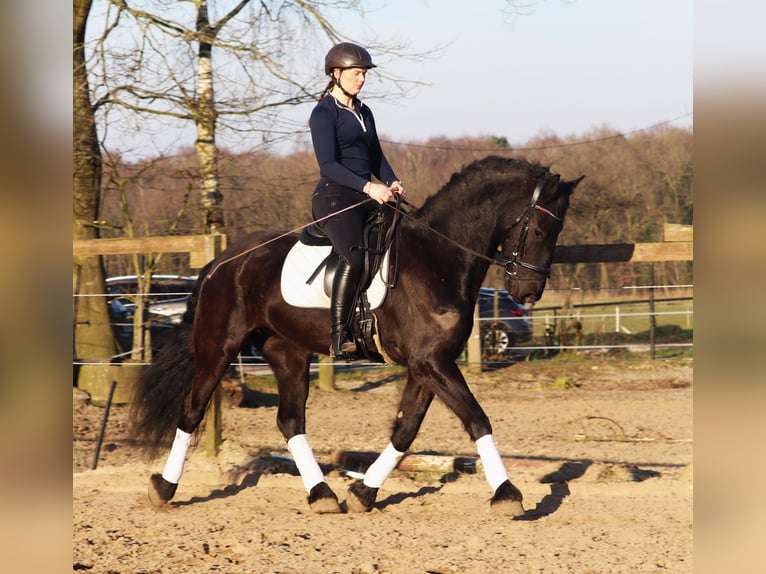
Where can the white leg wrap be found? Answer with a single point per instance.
(307, 465)
(494, 469)
(174, 466)
(379, 470)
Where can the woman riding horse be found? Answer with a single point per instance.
(496, 211)
(348, 152)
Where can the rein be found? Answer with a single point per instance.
(285, 234)
(510, 266)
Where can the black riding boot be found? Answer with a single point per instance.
(344, 288)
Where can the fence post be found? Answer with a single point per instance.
(212, 248)
(326, 379)
(474, 341)
(652, 317)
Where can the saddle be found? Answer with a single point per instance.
(378, 238)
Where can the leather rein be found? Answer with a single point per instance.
(510, 265)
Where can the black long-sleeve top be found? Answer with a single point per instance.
(346, 144)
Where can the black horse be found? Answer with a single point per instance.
(445, 249)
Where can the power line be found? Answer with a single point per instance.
(538, 148)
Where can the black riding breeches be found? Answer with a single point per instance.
(345, 230)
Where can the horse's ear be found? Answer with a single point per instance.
(575, 182)
(569, 186)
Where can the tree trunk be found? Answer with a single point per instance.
(93, 337)
(205, 118)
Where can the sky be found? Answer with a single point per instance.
(562, 66)
(565, 66)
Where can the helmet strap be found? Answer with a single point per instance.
(342, 89)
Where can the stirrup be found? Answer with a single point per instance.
(346, 347)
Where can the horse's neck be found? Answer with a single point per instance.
(457, 242)
(471, 225)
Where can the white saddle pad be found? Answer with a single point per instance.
(302, 261)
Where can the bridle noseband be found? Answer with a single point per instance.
(511, 266)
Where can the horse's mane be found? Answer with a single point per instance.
(475, 177)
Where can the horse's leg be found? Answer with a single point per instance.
(290, 365)
(412, 410)
(445, 379)
(212, 356)
(451, 388)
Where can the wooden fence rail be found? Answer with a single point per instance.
(201, 248)
(677, 245)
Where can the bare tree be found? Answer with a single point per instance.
(149, 68)
(161, 67)
(93, 338)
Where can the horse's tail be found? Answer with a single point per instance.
(162, 389)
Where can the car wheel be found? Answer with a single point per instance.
(495, 340)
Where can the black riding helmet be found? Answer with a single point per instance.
(347, 55)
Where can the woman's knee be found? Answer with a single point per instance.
(355, 259)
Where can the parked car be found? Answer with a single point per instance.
(164, 307)
(502, 331)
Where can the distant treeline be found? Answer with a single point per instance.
(634, 184)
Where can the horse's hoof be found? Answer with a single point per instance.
(322, 500)
(507, 500)
(160, 490)
(360, 497)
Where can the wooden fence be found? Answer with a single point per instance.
(677, 245)
(201, 249)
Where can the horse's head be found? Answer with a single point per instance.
(528, 248)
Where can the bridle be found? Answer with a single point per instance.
(511, 266)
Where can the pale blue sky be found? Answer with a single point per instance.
(560, 71)
(565, 66)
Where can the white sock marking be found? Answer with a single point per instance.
(174, 466)
(494, 469)
(304, 458)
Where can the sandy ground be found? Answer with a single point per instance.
(602, 451)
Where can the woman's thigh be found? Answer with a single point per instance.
(345, 229)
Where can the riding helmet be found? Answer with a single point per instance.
(347, 55)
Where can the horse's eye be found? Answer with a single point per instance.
(538, 234)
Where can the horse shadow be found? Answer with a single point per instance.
(251, 476)
(559, 481)
(371, 385)
(549, 504)
(253, 399)
(249, 480)
(400, 497)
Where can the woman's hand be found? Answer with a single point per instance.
(379, 192)
(398, 188)
(383, 193)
